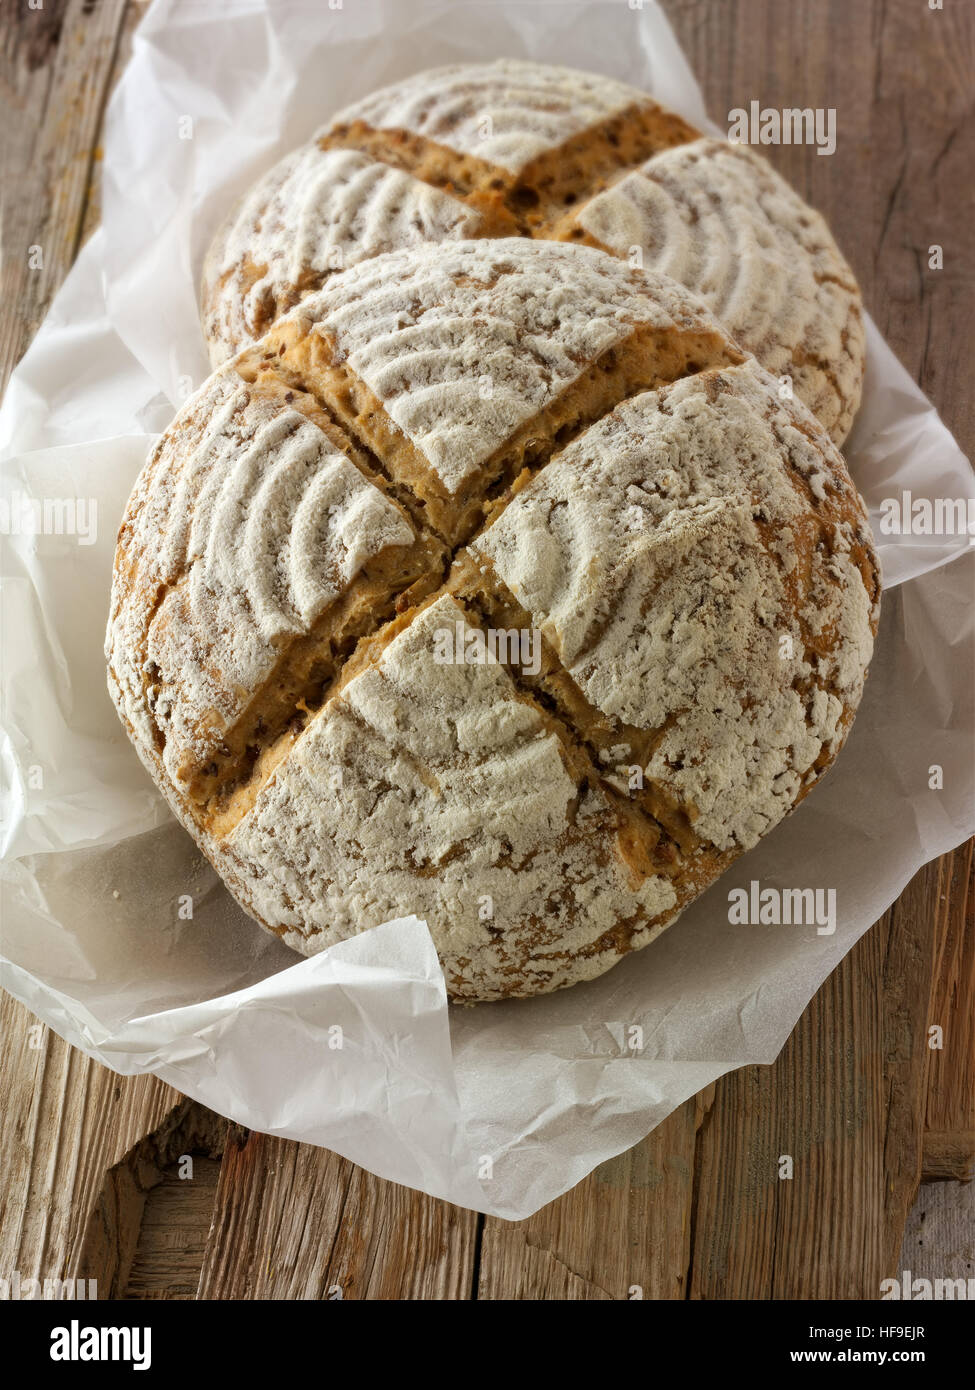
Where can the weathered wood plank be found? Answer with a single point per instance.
(134, 12)
(949, 1135)
(939, 1239)
(173, 1234)
(810, 1235)
(292, 1221)
(900, 77)
(66, 1122)
(124, 1219)
(622, 1233)
(844, 1101)
(54, 77)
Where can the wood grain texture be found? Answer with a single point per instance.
(173, 1233)
(293, 1221)
(66, 1122)
(624, 1232)
(842, 1102)
(93, 1184)
(940, 1234)
(949, 1124)
(122, 1221)
(901, 78)
(54, 73)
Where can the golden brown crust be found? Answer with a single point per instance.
(631, 488)
(513, 148)
(526, 202)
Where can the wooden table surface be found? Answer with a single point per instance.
(92, 1182)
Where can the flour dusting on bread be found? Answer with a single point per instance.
(452, 442)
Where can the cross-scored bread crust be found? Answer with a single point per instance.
(507, 113)
(452, 799)
(520, 148)
(312, 214)
(339, 497)
(459, 368)
(718, 218)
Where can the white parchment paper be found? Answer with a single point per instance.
(503, 1106)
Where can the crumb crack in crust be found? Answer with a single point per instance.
(517, 148)
(628, 483)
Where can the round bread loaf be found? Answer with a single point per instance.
(514, 148)
(496, 584)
